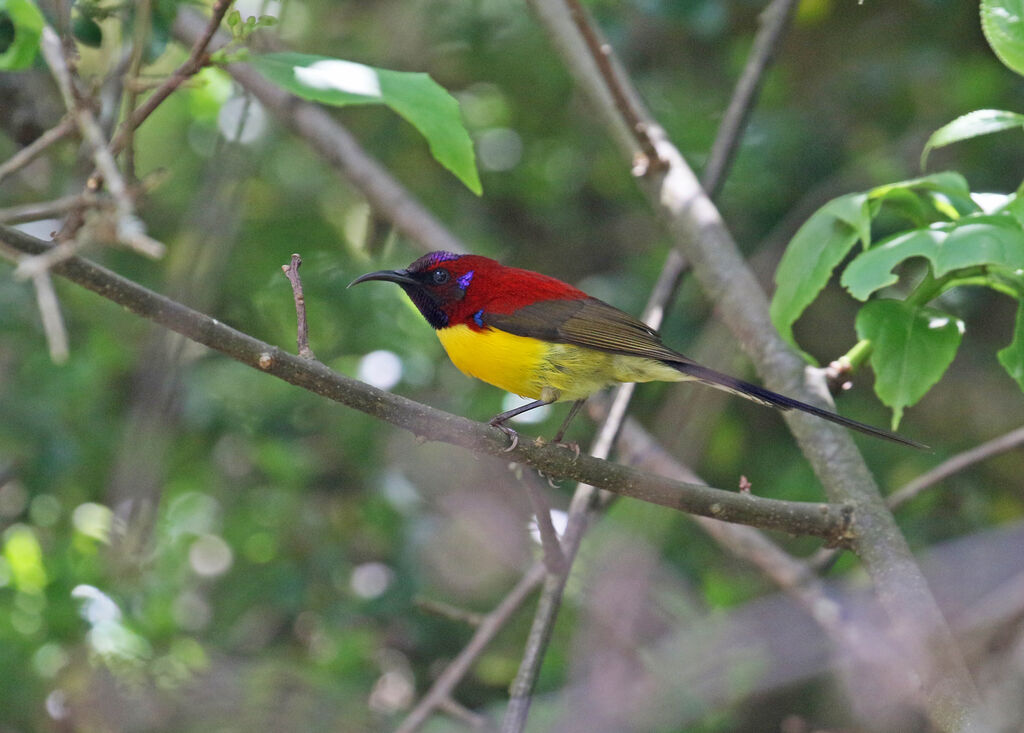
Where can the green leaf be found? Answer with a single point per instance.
(972, 124)
(414, 96)
(1003, 25)
(814, 252)
(912, 346)
(942, 196)
(981, 239)
(27, 22)
(86, 30)
(1012, 357)
(950, 183)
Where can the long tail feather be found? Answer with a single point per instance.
(781, 402)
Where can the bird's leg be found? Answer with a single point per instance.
(568, 419)
(498, 420)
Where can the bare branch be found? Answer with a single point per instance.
(774, 23)
(831, 521)
(725, 142)
(53, 322)
(197, 59)
(48, 209)
(447, 610)
(130, 230)
(699, 231)
(825, 558)
(291, 271)
(29, 153)
(956, 464)
(648, 160)
(442, 688)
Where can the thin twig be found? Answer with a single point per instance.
(649, 161)
(956, 464)
(823, 560)
(47, 209)
(130, 230)
(53, 322)
(460, 712)
(141, 34)
(302, 339)
(554, 559)
(774, 23)
(30, 267)
(29, 153)
(489, 627)
(448, 611)
(197, 59)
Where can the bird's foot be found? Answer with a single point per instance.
(512, 434)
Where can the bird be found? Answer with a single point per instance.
(543, 339)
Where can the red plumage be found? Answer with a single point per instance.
(498, 289)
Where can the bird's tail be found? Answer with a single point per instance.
(781, 402)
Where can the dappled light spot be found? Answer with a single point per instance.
(381, 368)
(93, 520)
(371, 579)
(210, 556)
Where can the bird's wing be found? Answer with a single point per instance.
(585, 322)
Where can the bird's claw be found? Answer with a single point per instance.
(509, 432)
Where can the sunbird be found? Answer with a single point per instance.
(543, 339)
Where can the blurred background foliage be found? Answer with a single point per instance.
(189, 545)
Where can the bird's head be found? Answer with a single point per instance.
(440, 284)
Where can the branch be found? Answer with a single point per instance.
(833, 522)
(489, 627)
(48, 209)
(197, 59)
(774, 23)
(291, 271)
(956, 464)
(825, 558)
(29, 153)
(648, 160)
(726, 140)
(130, 230)
(53, 322)
(335, 146)
(700, 233)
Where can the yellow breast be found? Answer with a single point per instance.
(542, 370)
(496, 357)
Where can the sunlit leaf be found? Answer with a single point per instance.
(972, 124)
(26, 22)
(971, 241)
(25, 558)
(1002, 21)
(911, 349)
(1012, 357)
(415, 96)
(814, 252)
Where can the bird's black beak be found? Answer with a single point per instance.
(392, 276)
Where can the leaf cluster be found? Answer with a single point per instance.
(964, 238)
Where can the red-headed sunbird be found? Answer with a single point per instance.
(541, 338)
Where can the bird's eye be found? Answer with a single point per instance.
(440, 276)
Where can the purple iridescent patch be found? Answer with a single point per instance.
(433, 258)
